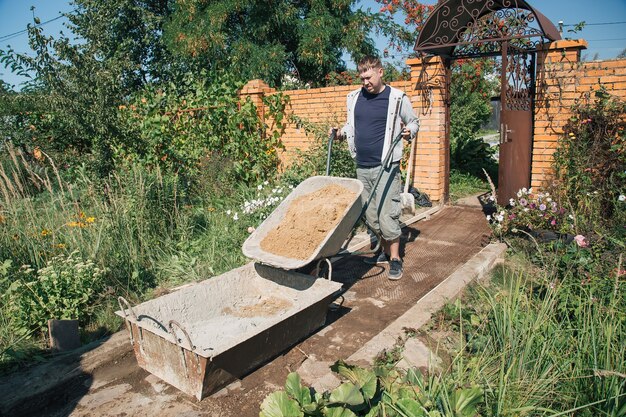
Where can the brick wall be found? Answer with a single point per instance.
(562, 80)
(325, 107)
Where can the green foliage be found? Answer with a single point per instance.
(470, 92)
(312, 161)
(532, 212)
(462, 185)
(68, 287)
(179, 124)
(590, 163)
(371, 393)
(266, 40)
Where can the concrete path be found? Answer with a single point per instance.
(441, 256)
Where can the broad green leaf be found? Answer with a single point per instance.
(294, 388)
(346, 393)
(466, 400)
(363, 378)
(278, 404)
(374, 411)
(338, 412)
(410, 407)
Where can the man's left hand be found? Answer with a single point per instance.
(406, 134)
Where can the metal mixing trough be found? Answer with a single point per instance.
(335, 237)
(203, 336)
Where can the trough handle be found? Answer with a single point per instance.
(173, 333)
(330, 268)
(121, 300)
(192, 347)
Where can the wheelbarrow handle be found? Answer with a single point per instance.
(331, 139)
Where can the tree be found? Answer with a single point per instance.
(261, 39)
(69, 105)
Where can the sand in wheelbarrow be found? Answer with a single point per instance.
(308, 221)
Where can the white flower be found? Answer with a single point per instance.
(526, 209)
(499, 217)
(622, 197)
(512, 202)
(488, 217)
(570, 216)
(548, 199)
(235, 217)
(291, 187)
(228, 212)
(519, 194)
(265, 182)
(259, 187)
(250, 229)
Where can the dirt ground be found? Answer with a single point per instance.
(432, 250)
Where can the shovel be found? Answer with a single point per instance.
(407, 200)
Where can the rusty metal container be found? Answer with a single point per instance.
(203, 336)
(335, 237)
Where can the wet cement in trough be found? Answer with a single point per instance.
(432, 250)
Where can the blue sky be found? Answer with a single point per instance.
(606, 40)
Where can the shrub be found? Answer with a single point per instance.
(66, 288)
(590, 162)
(531, 212)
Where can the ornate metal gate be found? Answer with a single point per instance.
(516, 120)
(513, 30)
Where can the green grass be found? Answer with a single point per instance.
(142, 226)
(463, 185)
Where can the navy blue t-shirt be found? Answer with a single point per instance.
(370, 121)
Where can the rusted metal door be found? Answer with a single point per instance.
(516, 121)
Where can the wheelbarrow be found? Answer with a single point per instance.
(331, 246)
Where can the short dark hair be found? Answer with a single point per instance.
(368, 62)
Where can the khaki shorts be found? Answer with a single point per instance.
(383, 213)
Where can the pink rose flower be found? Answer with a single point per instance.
(581, 241)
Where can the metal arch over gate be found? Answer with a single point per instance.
(514, 30)
(472, 28)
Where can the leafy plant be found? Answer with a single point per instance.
(66, 288)
(590, 162)
(531, 212)
(179, 124)
(376, 392)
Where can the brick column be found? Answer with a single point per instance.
(431, 173)
(256, 90)
(557, 86)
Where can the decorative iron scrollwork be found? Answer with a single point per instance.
(427, 82)
(519, 87)
(472, 28)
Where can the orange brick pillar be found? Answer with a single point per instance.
(256, 90)
(431, 172)
(557, 86)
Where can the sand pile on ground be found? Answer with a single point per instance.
(308, 221)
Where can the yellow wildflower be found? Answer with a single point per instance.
(90, 219)
(45, 232)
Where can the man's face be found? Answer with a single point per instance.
(372, 80)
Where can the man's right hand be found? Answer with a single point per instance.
(337, 131)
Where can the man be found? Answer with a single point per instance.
(375, 113)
